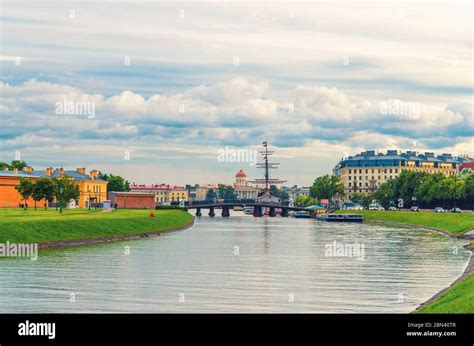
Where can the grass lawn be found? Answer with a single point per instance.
(459, 299)
(42, 226)
(453, 223)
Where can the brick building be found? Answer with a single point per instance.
(132, 200)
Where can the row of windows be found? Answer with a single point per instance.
(373, 177)
(366, 185)
(373, 171)
(96, 188)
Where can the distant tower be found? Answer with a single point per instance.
(240, 179)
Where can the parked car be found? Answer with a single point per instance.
(455, 210)
(380, 208)
(358, 207)
(414, 208)
(373, 206)
(438, 210)
(393, 209)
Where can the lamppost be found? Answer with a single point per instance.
(454, 202)
(61, 190)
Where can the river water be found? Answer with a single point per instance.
(240, 264)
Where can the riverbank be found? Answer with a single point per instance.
(451, 224)
(81, 226)
(457, 298)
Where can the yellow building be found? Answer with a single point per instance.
(93, 190)
(163, 193)
(365, 172)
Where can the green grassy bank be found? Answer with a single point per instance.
(459, 299)
(40, 226)
(453, 223)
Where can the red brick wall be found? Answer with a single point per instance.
(10, 196)
(133, 202)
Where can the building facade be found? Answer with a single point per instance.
(294, 191)
(365, 172)
(131, 200)
(243, 190)
(163, 193)
(93, 190)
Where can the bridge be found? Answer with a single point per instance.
(257, 208)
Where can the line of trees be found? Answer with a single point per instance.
(324, 187)
(61, 189)
(429, 190)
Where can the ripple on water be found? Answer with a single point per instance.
(281, 266)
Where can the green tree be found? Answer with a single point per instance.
(18, 164)
(65, 189)
(226, 192)
(326, 187)
(275, 191)
(115, 182)
(305, 201)
(25, 189)
(211, 194)
(44, 189)
(363, 199)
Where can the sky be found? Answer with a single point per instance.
(172, 84)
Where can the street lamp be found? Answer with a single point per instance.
(61, 190)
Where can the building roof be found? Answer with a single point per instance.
(55, 174)
(468, 165)
(157, 187)
(241, 174)
(134, 193)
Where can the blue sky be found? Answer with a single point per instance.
(205, 75)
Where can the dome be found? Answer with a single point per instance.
(241, 174)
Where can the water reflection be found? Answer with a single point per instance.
(281, 266)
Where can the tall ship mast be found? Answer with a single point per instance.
(266, 165)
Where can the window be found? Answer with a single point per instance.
(350, 177)
(385, 170)
(355, 177)
(350, 171)
(366, 171)
(366, 184)
(391, 171)
(350, 184)
(360, 171)
(396, 170)
(360, 184)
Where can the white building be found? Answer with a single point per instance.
(242, 188)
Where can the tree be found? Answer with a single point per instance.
(275, 191)
(211, 194)
(18, 164)
(363, 199)
(44, 189)
(326, 187)
(65, 189)
(25, 189)
(226, 192)
(305, 201)
(115, 182)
